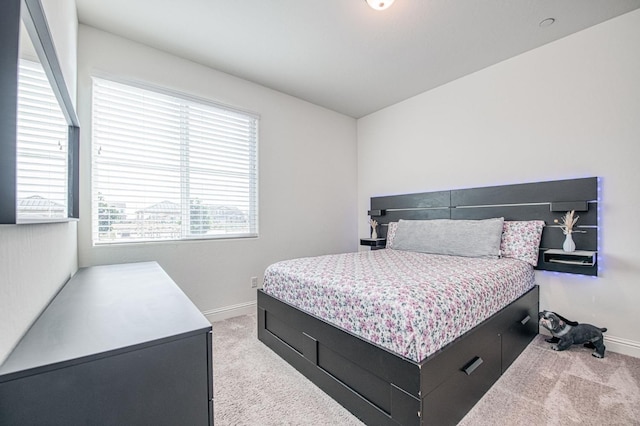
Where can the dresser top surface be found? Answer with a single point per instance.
(103, 310)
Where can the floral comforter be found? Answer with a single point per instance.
(410, 303)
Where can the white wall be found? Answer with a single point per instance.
(63, 24)
(36, 260)
(307, 176)
(568, 109)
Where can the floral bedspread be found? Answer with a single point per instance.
(410, 303)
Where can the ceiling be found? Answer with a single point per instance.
(341, 54)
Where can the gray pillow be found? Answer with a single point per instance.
(470, 238)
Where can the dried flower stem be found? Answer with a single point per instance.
(568, 221)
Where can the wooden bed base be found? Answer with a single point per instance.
(382, 388)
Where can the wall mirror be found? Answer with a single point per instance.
(40, 132)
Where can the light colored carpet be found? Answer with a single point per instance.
(254, 386)
(545, 387)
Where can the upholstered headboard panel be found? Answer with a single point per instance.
(546, 201)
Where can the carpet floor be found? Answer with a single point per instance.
(254, 386)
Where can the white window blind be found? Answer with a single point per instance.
(170, 168)
(42, 154)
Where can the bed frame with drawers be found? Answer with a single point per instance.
(383, 388)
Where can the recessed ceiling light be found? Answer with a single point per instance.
(547, 22)
(379, 4)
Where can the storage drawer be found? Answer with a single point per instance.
(451, 400)
(517, 312)
(450, 360)
(515, 339)
(521, 327)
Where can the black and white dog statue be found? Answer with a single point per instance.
(566, 333)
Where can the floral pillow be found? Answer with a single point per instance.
(521, 240)
(391, 234)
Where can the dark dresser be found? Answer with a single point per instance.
(118, 345)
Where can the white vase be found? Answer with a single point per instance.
(568, 244)
(374, 234)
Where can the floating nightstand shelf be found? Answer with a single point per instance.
(578, 257)
(374, 243)
(576, 262)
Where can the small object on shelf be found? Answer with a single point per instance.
(374, 243)
(568, 246)
(374, 228)
(567, 224)
(577, 257)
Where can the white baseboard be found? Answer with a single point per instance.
(227, 312)
(622, 346)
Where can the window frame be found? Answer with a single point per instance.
(183, 236)
(12, 13)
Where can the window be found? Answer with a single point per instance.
(42, 140)
(170, 168)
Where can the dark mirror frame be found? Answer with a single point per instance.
(12, 12)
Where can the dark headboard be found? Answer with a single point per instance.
(526, 201)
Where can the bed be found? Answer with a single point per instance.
(427, 361)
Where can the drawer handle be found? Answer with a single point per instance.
(475, 363)
(525, 320)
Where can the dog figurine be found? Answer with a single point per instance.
(566, 333)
